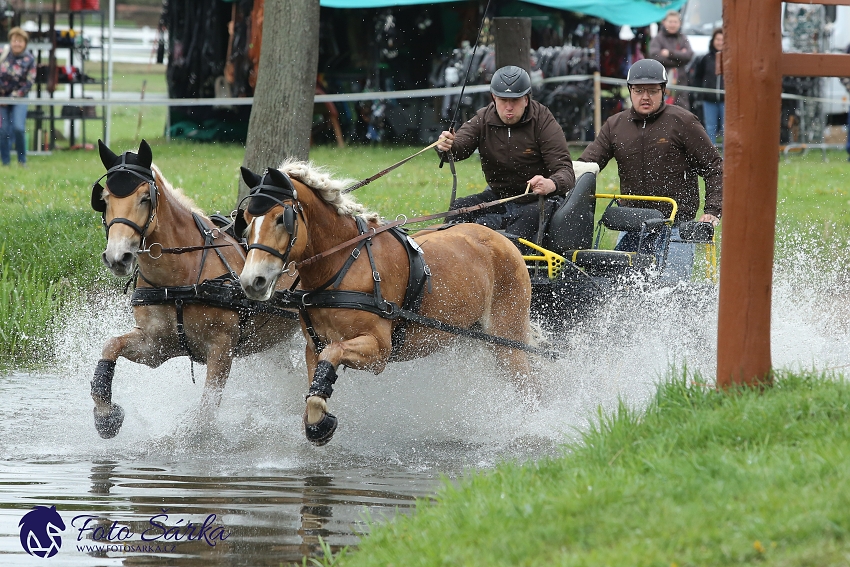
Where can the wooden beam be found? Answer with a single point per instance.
(815, 64)
(751, 53)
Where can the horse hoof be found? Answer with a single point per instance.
(320, 433)
(107, 426)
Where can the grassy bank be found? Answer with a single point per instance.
(52, 239)
(698, 478)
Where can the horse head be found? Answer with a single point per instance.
(273, 231)
(127, 201)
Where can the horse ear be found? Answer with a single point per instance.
(279, 178)
(145, 154)
(250, 178)
(107, 156)
(240, 224)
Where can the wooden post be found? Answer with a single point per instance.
(753, 65)
(597, 102)
(513, 42)
(751, 59)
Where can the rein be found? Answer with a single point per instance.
(179, 249)
(399, 222)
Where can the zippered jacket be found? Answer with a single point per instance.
(511, 155)
(661, 155)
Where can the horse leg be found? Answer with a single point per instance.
(219, 363)
(513, 323)
(135, 346)
(360, 352)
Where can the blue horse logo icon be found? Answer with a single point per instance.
(40, 529)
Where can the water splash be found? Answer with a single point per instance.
(449, 411)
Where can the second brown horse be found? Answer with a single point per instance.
(466, 275)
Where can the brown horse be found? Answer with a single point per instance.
(185, 303)
(473, 277)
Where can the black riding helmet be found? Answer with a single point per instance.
(510, 82)
(647, 72)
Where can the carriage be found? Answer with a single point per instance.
(571, 268)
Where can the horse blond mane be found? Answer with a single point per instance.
(327, 188)
(176, 192)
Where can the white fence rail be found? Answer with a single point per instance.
(129, 45)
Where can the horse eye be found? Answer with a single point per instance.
(279, 219)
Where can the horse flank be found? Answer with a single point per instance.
(326, 187)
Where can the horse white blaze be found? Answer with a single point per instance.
(258, 265)
(257, 222)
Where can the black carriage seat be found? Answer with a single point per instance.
(620, 219)
(630, 219)
(571, 226)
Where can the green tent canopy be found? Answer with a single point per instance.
(620, 12)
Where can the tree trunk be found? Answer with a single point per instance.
(282, 113)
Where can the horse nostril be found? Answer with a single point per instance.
(259, 283)
(126, 258)
(103, 257)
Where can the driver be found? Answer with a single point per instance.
(660, 150)
(521, 145)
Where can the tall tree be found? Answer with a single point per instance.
(282, 113)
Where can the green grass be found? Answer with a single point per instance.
(129, 77)
(698, 478)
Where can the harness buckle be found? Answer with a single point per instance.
(376, 276)
(390, 309)
(304, 301)
(355, 253)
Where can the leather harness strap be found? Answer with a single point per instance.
(325, 297)
(222, 291)
(329, 296)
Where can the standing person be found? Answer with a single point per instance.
(706, 75)
(672, 49)
(17, 75)
(660, 150)
(521, 145)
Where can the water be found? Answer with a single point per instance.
(273, 494)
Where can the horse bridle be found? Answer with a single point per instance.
(145, 174)
(290, 216)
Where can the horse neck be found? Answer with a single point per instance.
(325, 229)
(174, 227)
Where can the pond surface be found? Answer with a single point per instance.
(169, 487)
